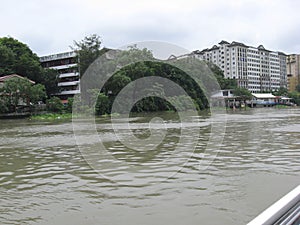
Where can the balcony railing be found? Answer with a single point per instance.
(64, 66)
(68, 83)
(57, 56)
(63, 75)
(71, 92)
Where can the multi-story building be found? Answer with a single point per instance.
(256, 69)
(67, 67)
(293, 71)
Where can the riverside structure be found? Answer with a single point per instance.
(67, 66)
(256, 69)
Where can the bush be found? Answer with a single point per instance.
(54, 104)
(69, 105)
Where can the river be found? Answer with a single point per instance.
(45, 177)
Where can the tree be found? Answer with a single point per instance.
(17, 57)
(295, 96)
(37, 93)
(54, 104)
(3, 104)
(18, 91)
(69, 105)
(243, 93)
(298, 88)
(7, 59)
(225, 83)
(50, 80)
(281, 92)
(88, 50)
(102, 105)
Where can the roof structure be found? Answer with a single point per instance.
(224, 42)
(7, 77)
(215, 47)
(235, 43)
(262, 48)
(263, 95)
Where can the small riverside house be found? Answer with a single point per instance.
(264, 99)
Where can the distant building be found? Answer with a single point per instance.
(293, 71)
(256, 69)
(67, 67)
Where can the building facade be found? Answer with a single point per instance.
(293, 71)
(67, 67)
(256, 69)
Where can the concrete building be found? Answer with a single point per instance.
(256, 69)
(293, 71)
(67, 67)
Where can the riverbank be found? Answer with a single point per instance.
(51, 116)
(14, 115)
(63, 116)
(68, 116)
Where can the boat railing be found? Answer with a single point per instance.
(286, 211)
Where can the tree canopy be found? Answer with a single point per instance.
(17, 57)
(225, 83)
(243, 93)
(88, 50)
(147, 66)
(20, 91)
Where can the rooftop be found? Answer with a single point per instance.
(263, 95)
(7, 77)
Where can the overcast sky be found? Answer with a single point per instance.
(51, 26)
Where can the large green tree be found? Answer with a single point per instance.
(145, 68)
(88, 50)
(18, 91)
(17, 57)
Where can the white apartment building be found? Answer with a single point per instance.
(256, 69)
(67, 67)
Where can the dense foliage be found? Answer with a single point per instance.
(18, 93)
(295, 95)
(243, 93)
(88, 50)
(225, 83)
(145, 67)
(17, 58)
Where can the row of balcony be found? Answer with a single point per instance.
(67, 66)
(68, 83)
(58, 56)
(63, 75)
(69, 92)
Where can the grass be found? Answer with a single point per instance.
(52, 116)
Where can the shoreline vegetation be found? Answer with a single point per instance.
(68, 116)
(53, 116)
(34, 94)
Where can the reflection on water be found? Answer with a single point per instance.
(45, 180)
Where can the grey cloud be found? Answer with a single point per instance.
(51, 26)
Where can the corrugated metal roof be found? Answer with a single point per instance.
(263, 95)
